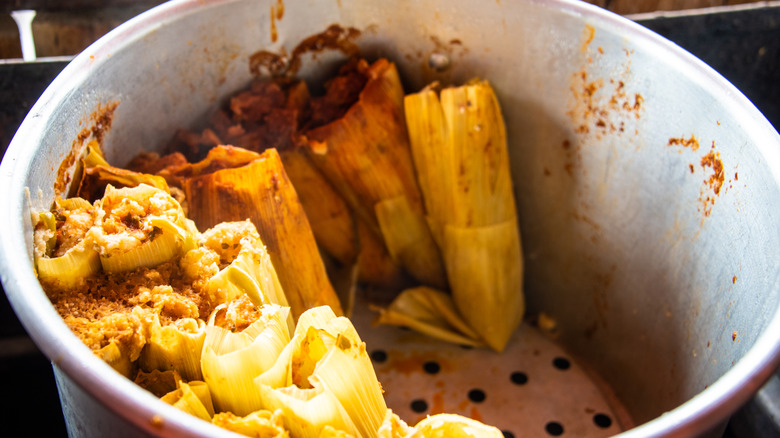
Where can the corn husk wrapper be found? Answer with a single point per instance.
(158, 382)
(259, 424)
(118, 359)
(341, 234)
(97, 174)
(250, 273)
(231, 361)
(374, 264)
(329, 216)
(459, 146)
(365, 155)
(255, 186)
(331, 432)
(176, 347)
(455, 426)
(168, 235)
(430, 312)
(193, 398)
(68, 270)
(394, 427)
(330, 380)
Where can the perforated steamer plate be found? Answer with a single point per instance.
(532, 389)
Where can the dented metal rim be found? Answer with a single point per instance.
(700, 414)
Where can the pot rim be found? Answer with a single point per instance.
(703, 412)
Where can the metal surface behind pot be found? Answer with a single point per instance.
(647, 185)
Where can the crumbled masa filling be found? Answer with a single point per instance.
(125, 222)
(227, 239)
(73, 228)
(238, 315)
(121, 307)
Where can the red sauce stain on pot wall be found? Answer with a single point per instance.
(98, 124)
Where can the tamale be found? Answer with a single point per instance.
(176, 347)
(331, 381)
(394, 427)
(232, 360)
(431, 312)
(64, 263)
(329, 216)
(458, 141)
(365, 155)
(158, 382)
(250, 270)
(258, 424)
(96, 174)
(193, 398)
(233, 184)
(455, 426)
(140, 226)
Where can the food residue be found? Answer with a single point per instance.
(692, 142)
(99, 123)
(334, 37)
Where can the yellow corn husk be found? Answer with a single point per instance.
(374, 264)
(394, 427)
(231, 361)
(161, 230)
(93, 156)
(329, 216)
(69, 270)
(306, 412)
(175, 347)
(410, 241)
(58, 270)
(261, 191)
(430, 312)
(331, 432)
(259, 424)
(96, 174)
(488, 263)
(341, 235)
(166, 244)
(459, 146)
(251, 272)
(119, 360)
(193, 398)
(455, 426)
(365, 155)
(331, 380)
(158, 382)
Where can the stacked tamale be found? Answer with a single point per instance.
(411, 191)
(207, 274)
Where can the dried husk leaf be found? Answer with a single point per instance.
(231, 361)
(455, 426)
(261, 191)
(330, 379)
(458, 141)
(258, 424)
(193, 398)
(365, 155)
(431, 312)
(176, 347)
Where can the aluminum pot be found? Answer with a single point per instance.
(647, 186)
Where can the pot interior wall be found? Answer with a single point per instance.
(647, 204)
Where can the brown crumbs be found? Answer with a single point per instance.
(691, 142)
(715, 181)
